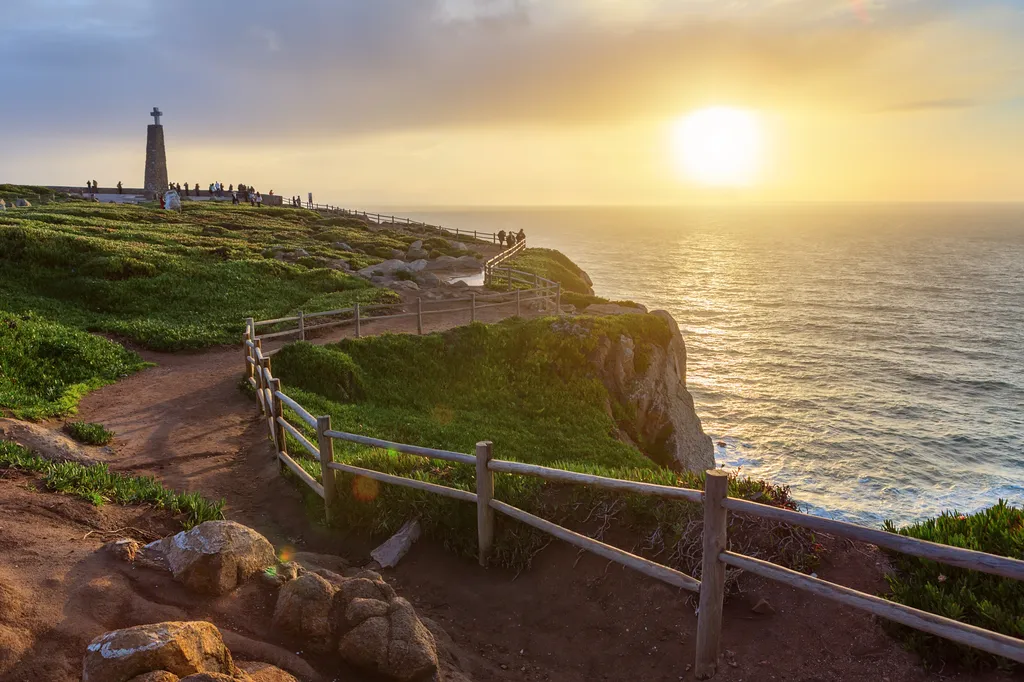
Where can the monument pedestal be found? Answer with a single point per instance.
(156, 156)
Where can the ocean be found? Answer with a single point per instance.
(869, 356)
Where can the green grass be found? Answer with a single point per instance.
(553, 265)
(98, 485)
(528, 387)
(972, 597)
(46, 367)
(172, 281)
(89, 433)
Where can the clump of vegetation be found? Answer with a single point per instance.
(46, 367)
(972, 597)
(525, 385)
(89, 433)
(99, 485)
(553, 265)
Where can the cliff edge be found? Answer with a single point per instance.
(648, 400)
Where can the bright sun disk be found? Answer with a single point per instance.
(718, 146)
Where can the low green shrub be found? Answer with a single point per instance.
(553, 265)
(99, 485)
(89, 433)
(46, 367)
(967, 596)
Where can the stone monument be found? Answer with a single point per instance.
(156, 156)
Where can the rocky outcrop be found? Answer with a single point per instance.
(649, 401)
(178, 648)
(362, 620)
(214, 558)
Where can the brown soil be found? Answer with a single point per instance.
(572, 617)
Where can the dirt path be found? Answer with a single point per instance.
(570, 618)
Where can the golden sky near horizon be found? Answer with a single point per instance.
(505, 102)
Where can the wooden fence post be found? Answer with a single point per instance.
(712, 577)
(250, 332)
(484, 495)
(358, 330)
(326, 443)
(265, 365)
(508, 272)
(277, 410)
(472, 307)
(419, 316)
(302, 327)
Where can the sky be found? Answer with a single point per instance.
(518, 102)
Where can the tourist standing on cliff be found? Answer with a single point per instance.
(521, 237)
(119, 187)
(501, 238)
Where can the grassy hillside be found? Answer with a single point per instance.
(528, 387)
(558, 267)
(163, 280)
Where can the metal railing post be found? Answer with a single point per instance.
(484, 495)
(712, 578)
(327, 474)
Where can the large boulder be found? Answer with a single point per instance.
(215, 557)
(156, 676)
(23, 203)
(303, 612)
(442, 263)
(179, 648)
(468, 263)
(264, 672)
(396, 645)
(388, 267)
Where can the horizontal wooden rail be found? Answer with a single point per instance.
(431, 453)
(945, 554)
(563, 476)
(648, 568)
(313, 450)
(405, 482)
(297, 409)
(274, 335)
(962, 633)
(275, 321)
(301, 473)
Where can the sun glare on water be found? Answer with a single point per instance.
(718, 146)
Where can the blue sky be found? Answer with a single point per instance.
(321, 85)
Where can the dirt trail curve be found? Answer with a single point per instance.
(571, 618)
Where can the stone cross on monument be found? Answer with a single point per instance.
(156, 155)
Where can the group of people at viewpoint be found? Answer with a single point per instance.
(217, 189)
(511, 238)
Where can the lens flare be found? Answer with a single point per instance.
(365, 489)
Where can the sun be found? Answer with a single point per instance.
(719, 146)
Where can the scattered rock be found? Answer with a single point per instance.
(181, 648)
(366, 645)
(443, 263)
(412, 653)
(469, 263)
(215, 557)
(388, 267)
(763, 607)
(428, 279)
(418, 244)
(338, 264)
(417, 254)
(343, 246)
(404, 285)
(300, 253)
(458, 246)
(416, 265)
(303, 611)
(397, 253)
(22, 203)
(213, 677)
(124, 549)
(391, 552)
(365, 585)
(459, 284)
(47, 443)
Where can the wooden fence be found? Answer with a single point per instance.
(714, 498)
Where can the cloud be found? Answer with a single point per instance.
(323, 68)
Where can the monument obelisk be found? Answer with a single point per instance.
(156, 156)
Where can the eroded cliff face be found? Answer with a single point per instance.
(648, 400)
